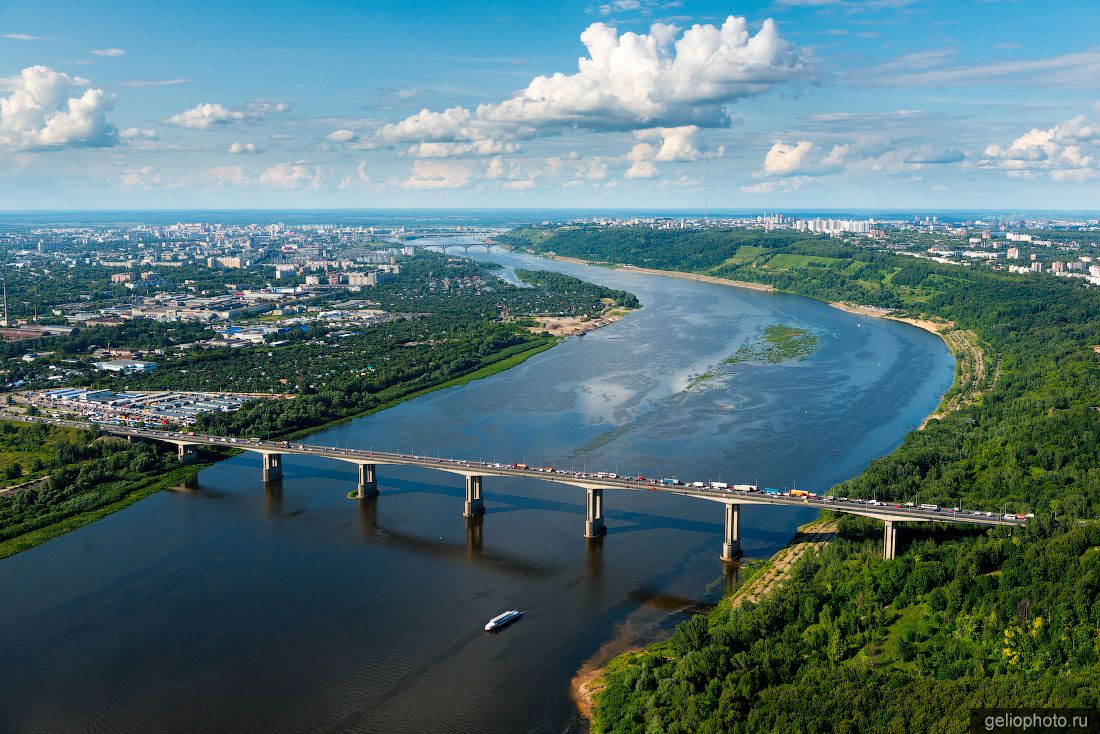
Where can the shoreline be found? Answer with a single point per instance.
(963, 345)
(154, 485)
(565, 326)
(587, 683)
(714, 279)
(939, 328)
(478, 373)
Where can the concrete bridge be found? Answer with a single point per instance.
(594, 483)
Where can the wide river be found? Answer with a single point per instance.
(232, 607)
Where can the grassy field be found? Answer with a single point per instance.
(744, 255)
(787, 261)
(25, 451)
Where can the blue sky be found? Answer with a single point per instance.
(636, 103)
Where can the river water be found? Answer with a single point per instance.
(232, 607)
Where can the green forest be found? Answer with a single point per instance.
(959, 619)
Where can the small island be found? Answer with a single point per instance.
(780, 344)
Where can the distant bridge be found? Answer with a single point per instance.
(594, 483)
(465, 246)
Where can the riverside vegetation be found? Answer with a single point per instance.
(781, 343)
(83, 478)
(961, 618)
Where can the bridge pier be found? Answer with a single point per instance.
(474, 504)
(890, 541)
(368, 483)
(273, 467)
(474, 524)
(731, 541)
(593, 524)
(188, 453)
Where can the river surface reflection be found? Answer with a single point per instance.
(232, 606)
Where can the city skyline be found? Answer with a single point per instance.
(630, 103)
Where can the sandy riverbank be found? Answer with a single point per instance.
(701, 278)
(668, 273)
(936, 327)
(561, 326)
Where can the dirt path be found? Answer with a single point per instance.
(810, 538)
(972, 372)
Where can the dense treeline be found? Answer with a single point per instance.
(85, 473)
(574, 288)
(336, 374)
(853, 643)
(958, 620)
(419, 290)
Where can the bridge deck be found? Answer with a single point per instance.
(585, 480)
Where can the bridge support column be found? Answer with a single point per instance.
(188, 453)
(593, 524)
(890, 542)
(474, 524)
(731, 541)
(474, 504)
(368, 484)
(273, 467)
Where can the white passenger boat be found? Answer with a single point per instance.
(503, 619)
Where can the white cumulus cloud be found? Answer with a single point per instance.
(486, 147)
(206, 115)
(668, 77)
(144, 177)
(440, 174)
(137, 134)
(664, 144)
(50, 109)
(245, 149)
(804, 158)
(224, 176)
(342, 136)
